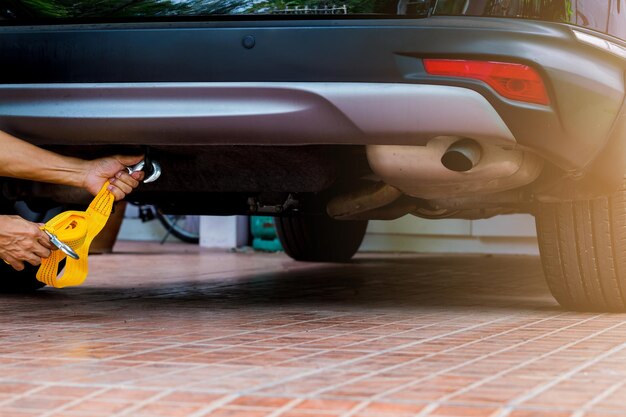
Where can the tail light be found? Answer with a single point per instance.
(514, 81)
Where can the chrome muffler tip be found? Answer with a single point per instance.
(462, 155)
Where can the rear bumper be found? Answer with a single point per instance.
(248, 113)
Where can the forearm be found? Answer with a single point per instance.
(19, 159)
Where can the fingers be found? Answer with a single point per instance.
(28, 244)
(39, 247)
(43, 239)
(15, 264)
(117, 193)
(18, 264)
(124, 183)
(22, 241)
(45, 242)
(119, 187)
(138, 176)
(32, 259)
(127, 179)
(41, 252)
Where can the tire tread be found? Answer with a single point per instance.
(320, 238)
(580, 244)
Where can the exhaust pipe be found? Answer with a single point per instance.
(362, 200)
(462, 155)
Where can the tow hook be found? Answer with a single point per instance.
(150, 167)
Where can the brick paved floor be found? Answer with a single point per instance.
(177, 331)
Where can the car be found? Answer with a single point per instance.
(329, 115)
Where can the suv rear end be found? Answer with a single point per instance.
(326, 120)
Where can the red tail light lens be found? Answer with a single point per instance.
(514, 81)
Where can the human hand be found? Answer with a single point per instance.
(113, 169)
(22, 241)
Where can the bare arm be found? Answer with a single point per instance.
(20, 159)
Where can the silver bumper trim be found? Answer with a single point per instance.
(247, 113)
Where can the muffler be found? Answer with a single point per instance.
(449, 167)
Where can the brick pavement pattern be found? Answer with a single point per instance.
(179, 331)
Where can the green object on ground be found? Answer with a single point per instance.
(267, 245)
(264, 232)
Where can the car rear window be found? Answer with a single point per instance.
(93, 9)
(607, 16)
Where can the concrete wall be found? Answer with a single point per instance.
(514, 234)
(502, 234)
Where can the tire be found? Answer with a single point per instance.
(24, 281)
(185, 228)
(320, 238)
(583, 252)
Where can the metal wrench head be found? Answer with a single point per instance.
(66, 249)
(153, 172)
(137, 167)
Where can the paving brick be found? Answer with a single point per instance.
(175, 330)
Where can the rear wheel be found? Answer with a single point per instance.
(583, 248)
(320, 238)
